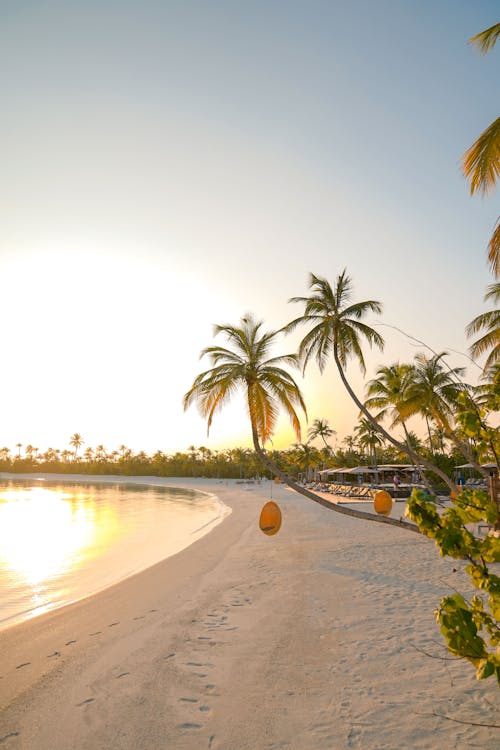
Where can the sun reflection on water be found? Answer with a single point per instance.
(45, 533)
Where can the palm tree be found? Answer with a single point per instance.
(391, 392)
(481, 162)
(436, 388)
(266, 383)
(304, 457)
(267, 386)
(19, 446)
(320, 428)
(337, 329)
(488, 322)
(76, 442)
(369, 437)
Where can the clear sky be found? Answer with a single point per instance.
(167, 165)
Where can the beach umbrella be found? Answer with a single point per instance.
(270, 518)
(382, 503)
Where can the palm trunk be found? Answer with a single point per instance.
(424, 478)
(400, 446)
(462, 447)
(431, 444)
(322, 501)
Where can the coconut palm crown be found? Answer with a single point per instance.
(487, 323)
(246, 364)
(481, 162)
(336, 323)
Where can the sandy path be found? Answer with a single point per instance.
(307, 640)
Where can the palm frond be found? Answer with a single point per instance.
(481, 162)
(485, 40)
(494, 250)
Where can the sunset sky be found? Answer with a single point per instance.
(168, 165)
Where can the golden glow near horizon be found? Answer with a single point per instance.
(211, 184)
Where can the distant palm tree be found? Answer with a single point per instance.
(88, 454)
(124, 450)
(436, 388)
(489, 323)
(267, 386)
(4, 453)
(19, 446)
(320, 428)
(100, 453)
(76, 442)
(481, 162)
(369, 437)
(392, 392)
(336, 328)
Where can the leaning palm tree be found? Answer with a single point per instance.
(336, 328)
(489, 324)
(246, 364)
(481, 162)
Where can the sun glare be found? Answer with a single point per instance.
(52, 527)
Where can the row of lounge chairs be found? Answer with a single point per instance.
(344, 490)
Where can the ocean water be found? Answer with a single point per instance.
(62, 541)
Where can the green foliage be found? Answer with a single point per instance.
(471, 629)
(472, 418)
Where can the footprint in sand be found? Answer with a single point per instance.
(111, 625)
(8, 736)
(97, 632)
(188, 700)
(24, 664)
(169, 656)
(190, 725)
(56, 653)
(123, 674)
(87, 700)
(68, 643)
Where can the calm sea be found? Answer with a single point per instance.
(61, 541)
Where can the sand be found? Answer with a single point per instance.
(311, 639)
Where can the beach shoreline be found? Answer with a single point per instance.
(309, 639)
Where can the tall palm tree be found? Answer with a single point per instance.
(320, 428)
(337, 329)
(437, 387)
(267, 386)
(76, 441)
(489, 324)
(481, 162)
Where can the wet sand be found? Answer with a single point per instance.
(311, 639)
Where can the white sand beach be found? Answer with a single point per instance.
(308, 640)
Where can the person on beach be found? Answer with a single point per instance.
(395, 480)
